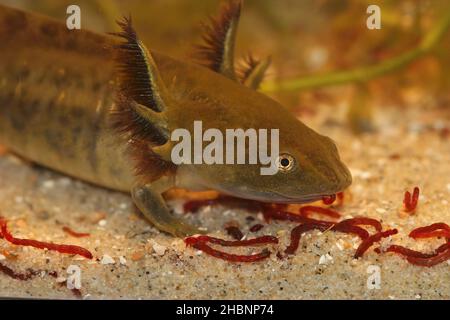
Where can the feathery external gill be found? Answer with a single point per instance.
(217, 52)
(140, 101)
(252, 71)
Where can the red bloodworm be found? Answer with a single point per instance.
(232, 243)
(408, 252)
(270, 214)
(429, 262)
(256, 227)
(288, 216)
(306, 210)
(202, 246)
(62, 248)
(443, 247)
(234, 232)
(433, 234)
(297, 233)
(74, 233)
(367, 243)
(348, 228)
(329, 199)
(363, 221)
(410, 202)
(439, 229)
(441, 254)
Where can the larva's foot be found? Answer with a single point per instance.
(153, 207)
(183, 229)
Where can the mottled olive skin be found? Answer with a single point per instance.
(57, 87)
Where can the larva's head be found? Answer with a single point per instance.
(302, 165)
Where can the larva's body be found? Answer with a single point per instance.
(58, 87)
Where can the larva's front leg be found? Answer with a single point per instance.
(150, 202)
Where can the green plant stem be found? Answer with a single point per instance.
(363, 74)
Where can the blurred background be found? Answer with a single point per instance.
(391, 123)
(304, 38)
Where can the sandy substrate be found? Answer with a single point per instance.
(134, 260)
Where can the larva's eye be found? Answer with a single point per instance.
(286, 162)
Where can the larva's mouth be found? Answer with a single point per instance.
(327, 198)
(305, 199)
(281, 199)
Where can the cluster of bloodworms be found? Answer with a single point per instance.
(306, 223)
(272, 212)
